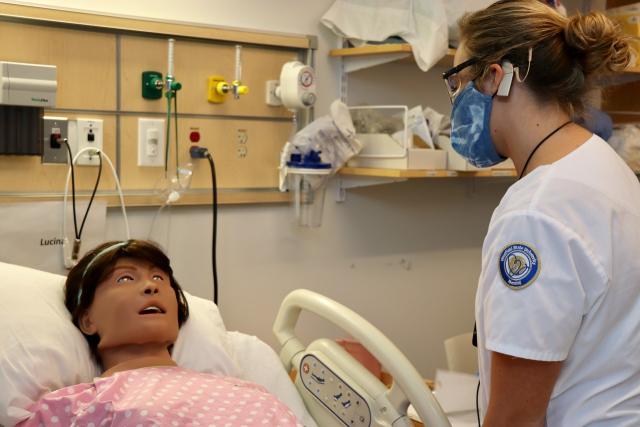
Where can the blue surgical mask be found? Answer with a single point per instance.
(470, 128)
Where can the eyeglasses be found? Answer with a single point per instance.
(452, 79)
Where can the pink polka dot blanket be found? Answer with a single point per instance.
(161, 396)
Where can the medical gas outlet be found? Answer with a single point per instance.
(218, 87)
(86, 133)
(152, 85)
(295, 89)
(151, 142)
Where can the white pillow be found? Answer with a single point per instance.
(41, 350)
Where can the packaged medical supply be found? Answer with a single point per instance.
(626, 141)
(314, 154)
(394, 137)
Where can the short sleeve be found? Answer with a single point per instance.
(538, 281)
(54, 408)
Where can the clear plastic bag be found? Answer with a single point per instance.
(626, 142)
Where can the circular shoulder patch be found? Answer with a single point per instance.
(519, 265)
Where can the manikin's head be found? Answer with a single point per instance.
(124, 293)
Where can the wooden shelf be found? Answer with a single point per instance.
(371, 55)
(403, 51)
(403, 173)
(145, 199)
(377, 49)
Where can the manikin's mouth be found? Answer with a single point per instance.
(152, 309)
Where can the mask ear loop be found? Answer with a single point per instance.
(517, 69)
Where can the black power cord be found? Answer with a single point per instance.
(78, 233)
(200, 153)
(214, 236)
(478, 406)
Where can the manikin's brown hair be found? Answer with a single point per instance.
(567, 52)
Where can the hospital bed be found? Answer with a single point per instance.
(41, 350)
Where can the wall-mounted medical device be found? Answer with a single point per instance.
(218, 87)
(25, 90)
(295, 89)
(152, 84)
(29, 85)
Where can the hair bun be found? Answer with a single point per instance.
(599, 42)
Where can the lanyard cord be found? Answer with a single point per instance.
(538, 146)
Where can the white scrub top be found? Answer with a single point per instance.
(561, 282)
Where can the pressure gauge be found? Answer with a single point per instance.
(306, 78)
(297, 87)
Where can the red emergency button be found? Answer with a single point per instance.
(194, 136)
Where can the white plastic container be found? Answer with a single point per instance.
(393, 148)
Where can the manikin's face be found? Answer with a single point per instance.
(134, 304)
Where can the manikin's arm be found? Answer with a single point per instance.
(520, 391)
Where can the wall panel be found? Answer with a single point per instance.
(86, 61)
(99, 76)
(251, 164)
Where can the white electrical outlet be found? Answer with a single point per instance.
(87, 133)
(151, 144)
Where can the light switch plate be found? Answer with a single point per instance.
(151, 142)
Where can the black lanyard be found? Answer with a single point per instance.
(539, 144)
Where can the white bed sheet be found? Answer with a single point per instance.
(261, 365)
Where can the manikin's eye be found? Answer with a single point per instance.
(124, 278)
(158, 277)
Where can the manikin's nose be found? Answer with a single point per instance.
(150, 288)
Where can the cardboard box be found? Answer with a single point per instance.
(383, 152)
(417, 158)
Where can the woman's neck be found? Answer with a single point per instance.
(128, 357)
(525, 122)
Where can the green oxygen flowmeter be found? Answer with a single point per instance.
(152, 85)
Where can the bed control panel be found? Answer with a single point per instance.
(334, 393)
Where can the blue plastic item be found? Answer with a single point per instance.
(311, 160)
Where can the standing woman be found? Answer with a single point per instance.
(558, 301)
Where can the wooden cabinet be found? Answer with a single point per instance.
(622, 101)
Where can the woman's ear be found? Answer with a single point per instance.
(491, 82)
(86, 324)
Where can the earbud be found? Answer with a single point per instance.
(507, 79)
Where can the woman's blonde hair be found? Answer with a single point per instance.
(567, 52)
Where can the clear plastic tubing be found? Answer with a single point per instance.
(170, 58)
(238, 63)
